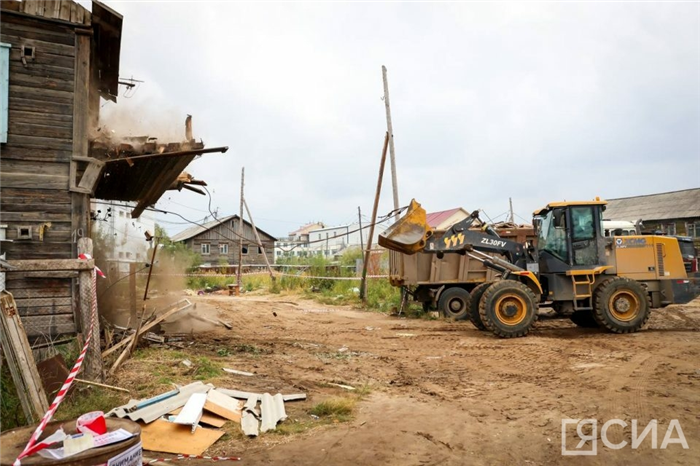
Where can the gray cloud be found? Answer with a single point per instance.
(536, 101)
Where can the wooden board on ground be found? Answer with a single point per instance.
(207, 418)
(167, 437)
(223, 405)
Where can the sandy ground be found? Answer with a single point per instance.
(443, 392)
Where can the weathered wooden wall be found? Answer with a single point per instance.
(35, 168)
(226, 233)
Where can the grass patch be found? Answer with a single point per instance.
(340, 408)
(294, 427)
(11, 414)
(85, 399)
(206, 369)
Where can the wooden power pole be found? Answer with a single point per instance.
(363, 283)
(390, 129)
(260, 245)
(240, 237)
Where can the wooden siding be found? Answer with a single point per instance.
(35, 168)
(226, 233)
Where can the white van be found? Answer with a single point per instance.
(626, 228)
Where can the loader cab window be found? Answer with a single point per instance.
(583, 235)
(552, 234)
(583, 220)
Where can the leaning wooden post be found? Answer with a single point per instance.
(132, 293)
(20, 360)
(363, 284)
(257, 238)
(93, 358)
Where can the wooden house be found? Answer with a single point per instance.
(217, 242)
(57, 60)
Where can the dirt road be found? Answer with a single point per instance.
(444, 393)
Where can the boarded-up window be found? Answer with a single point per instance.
(4, 88)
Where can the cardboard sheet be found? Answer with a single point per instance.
(169, 437)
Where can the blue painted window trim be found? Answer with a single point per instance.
(4, 89)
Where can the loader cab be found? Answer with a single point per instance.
(570, 236)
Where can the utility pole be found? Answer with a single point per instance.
(240, 237)
(392, 154)
(512, 217)
(260, 245)
(359, 221)
(363, 283)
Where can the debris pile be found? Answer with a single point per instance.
(174, 422)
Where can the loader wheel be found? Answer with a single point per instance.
(454, 302)
(584, 319)
(621, 305)
(508, 309)
(474, 316)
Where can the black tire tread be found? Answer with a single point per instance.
(490, 292)
(599, 302)
(473, 313)
(446, 293)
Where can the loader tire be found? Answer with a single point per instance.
(474, 316)
(584, 319)
(508, 309)
(621, 305)
(454, 302)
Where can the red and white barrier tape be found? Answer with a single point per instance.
(276, 274)
(328, 278)
(192, 457)
(32, 446)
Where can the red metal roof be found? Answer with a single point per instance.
(436, 218)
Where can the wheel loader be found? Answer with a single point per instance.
(610, 282)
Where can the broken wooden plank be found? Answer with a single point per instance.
(102, 385)
(28, 265)
(20, 360)
(223, 405)
(147, 327)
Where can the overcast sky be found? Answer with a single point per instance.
(535, 101)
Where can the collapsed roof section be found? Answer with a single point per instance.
(142, 169)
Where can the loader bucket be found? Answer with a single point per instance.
(410, 233)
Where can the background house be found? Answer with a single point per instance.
(334, 241)
(297, 243)
(444, 219)
(217, 242)
(125, 236)
(673, 213)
